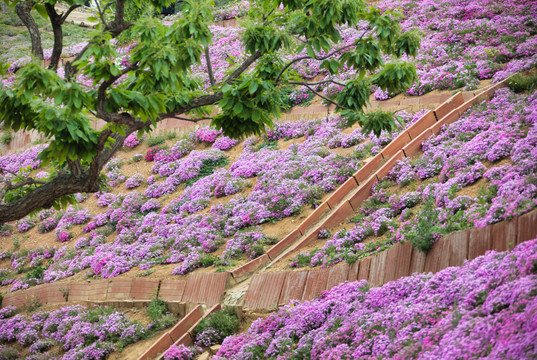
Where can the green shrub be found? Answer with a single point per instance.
(427, 230)
(220, 3)
(224, 322)
(171, 135)
(522, 83)
(160, 317)
(156, 140)
(268, 144)
(135, 10)
(9, 353)
(6, 138)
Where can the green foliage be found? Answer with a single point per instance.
(145, 273)
(135, 10)
(396, 77)
(273, 145)
(522, 83)
(6, 137)
(224, 322)
(265, 39)
(248, 106)
(355, 96)
(159, 81)
(155, 140)
(408, 43)
(377, 121)
(159, 315)
(427, 229)
(170, 135)
(207, 260)
(304, 259)
(220, 3)
(207, 168)
(9, 353)
(6, 275)
(34, 303)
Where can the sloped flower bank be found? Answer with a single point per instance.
(71, 332)
(467, 41)
(484, 309)
(463, 43)
(137, 229)
(494, 143)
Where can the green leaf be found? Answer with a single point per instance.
(41, 9)
(253, 87)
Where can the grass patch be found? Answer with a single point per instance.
(15, 40)
(207, 168)
(156, 140)
(522, 83)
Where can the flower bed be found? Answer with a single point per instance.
(465, 42)
(140, 228)
(493, 145)
(484, 309)
(72, 332)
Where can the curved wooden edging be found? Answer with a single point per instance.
(269, 290)
(351, 194)
(181, 295)
(181, 334)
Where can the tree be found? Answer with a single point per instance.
(157, 83)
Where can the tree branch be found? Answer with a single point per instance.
(26, 182)
(245, 65)
(209, 65)
(101, 100)
(23, 10)
(325, 98)
(56, 23)
(115, 28)
(43, 196)
(101, 13)
(68, 12)
(191, 119)
(315, 83)
(309, 57)
(11, 172)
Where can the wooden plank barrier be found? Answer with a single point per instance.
(399, 261)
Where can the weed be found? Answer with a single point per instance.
(273, 145)
(303, 259)
(65, 293)
(9, 353)
(33, 304)
(145, 273)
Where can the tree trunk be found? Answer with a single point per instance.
(44, 196)
(56, 22)
(23, 10)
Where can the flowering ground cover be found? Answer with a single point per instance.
(195, 208)
(74, 332)
(484, 309)
(209, 331)
(478, 171)
(462, 43)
